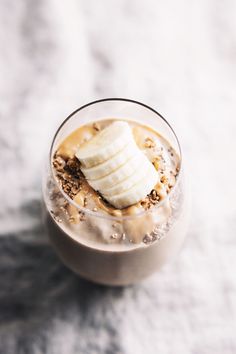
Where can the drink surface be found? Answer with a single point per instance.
(93, 221)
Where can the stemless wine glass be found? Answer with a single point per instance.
(86, 246)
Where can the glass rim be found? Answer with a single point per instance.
(97, 214)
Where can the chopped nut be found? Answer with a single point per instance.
(59, 163)
(149, 143)
(67, 173)
(151, 199)
(154, 197)
(154, 194)
(96, 126)
(156, 164)
(164, 180)
(114, 236)
(145, 203)
(95, 209)
(73, 166)
(157, 158)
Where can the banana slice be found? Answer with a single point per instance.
(112, 164)
(107, 143)
(129, 182)
(136, 193)
(120, 174)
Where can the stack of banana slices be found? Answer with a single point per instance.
(113, 164)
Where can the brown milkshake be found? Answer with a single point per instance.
(116, 209)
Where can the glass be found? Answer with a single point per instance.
(84, 246)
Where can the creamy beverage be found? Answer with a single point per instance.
(116, 211)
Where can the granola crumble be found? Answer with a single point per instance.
(67, 173)
(96, 127)
(149, 143)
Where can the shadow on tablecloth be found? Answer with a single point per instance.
(40, 299)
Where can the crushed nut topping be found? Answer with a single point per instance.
(59, 163)
(156, 164)
(151, 199)
(164, 180)
(149, 143)
(68, 173)
(72, 166)
(154, 195)
(96, 127)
